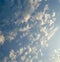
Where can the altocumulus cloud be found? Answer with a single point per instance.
(35, 25)
(38, 41)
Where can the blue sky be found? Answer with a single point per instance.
(29, 27)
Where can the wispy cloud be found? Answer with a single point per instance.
(52, 33)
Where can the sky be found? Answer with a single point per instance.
(29, 30)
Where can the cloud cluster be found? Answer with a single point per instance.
(39, 32)
(36, 26)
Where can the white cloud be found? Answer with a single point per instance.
(53, 15)
(21, 51)
(26, 18)
(51, 22)
(30, 49)
(44, 30)
(52, 33)
(32, 38)
(22, 58)
(25, 28)
(34, 3)
(55, 57)
(42, 16)
(42, 43)
(12, 35)
(28, 10)
(46, 8)
(2, 38)
(12, 55)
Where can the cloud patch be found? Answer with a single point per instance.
(2, 39)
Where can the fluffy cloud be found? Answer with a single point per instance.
(2, 38)
(12, 55)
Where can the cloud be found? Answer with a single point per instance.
(39, 40)
(22, 58)
(24, 28)
(34, 3)
(31, 6)
(12, 35)
(53, 15)
(26, 18)
(51, 22)
(44, 29)
(52, 33)
(38, 33)
(21, 51)
(12, 55)
(2, 39)
(55, 57)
